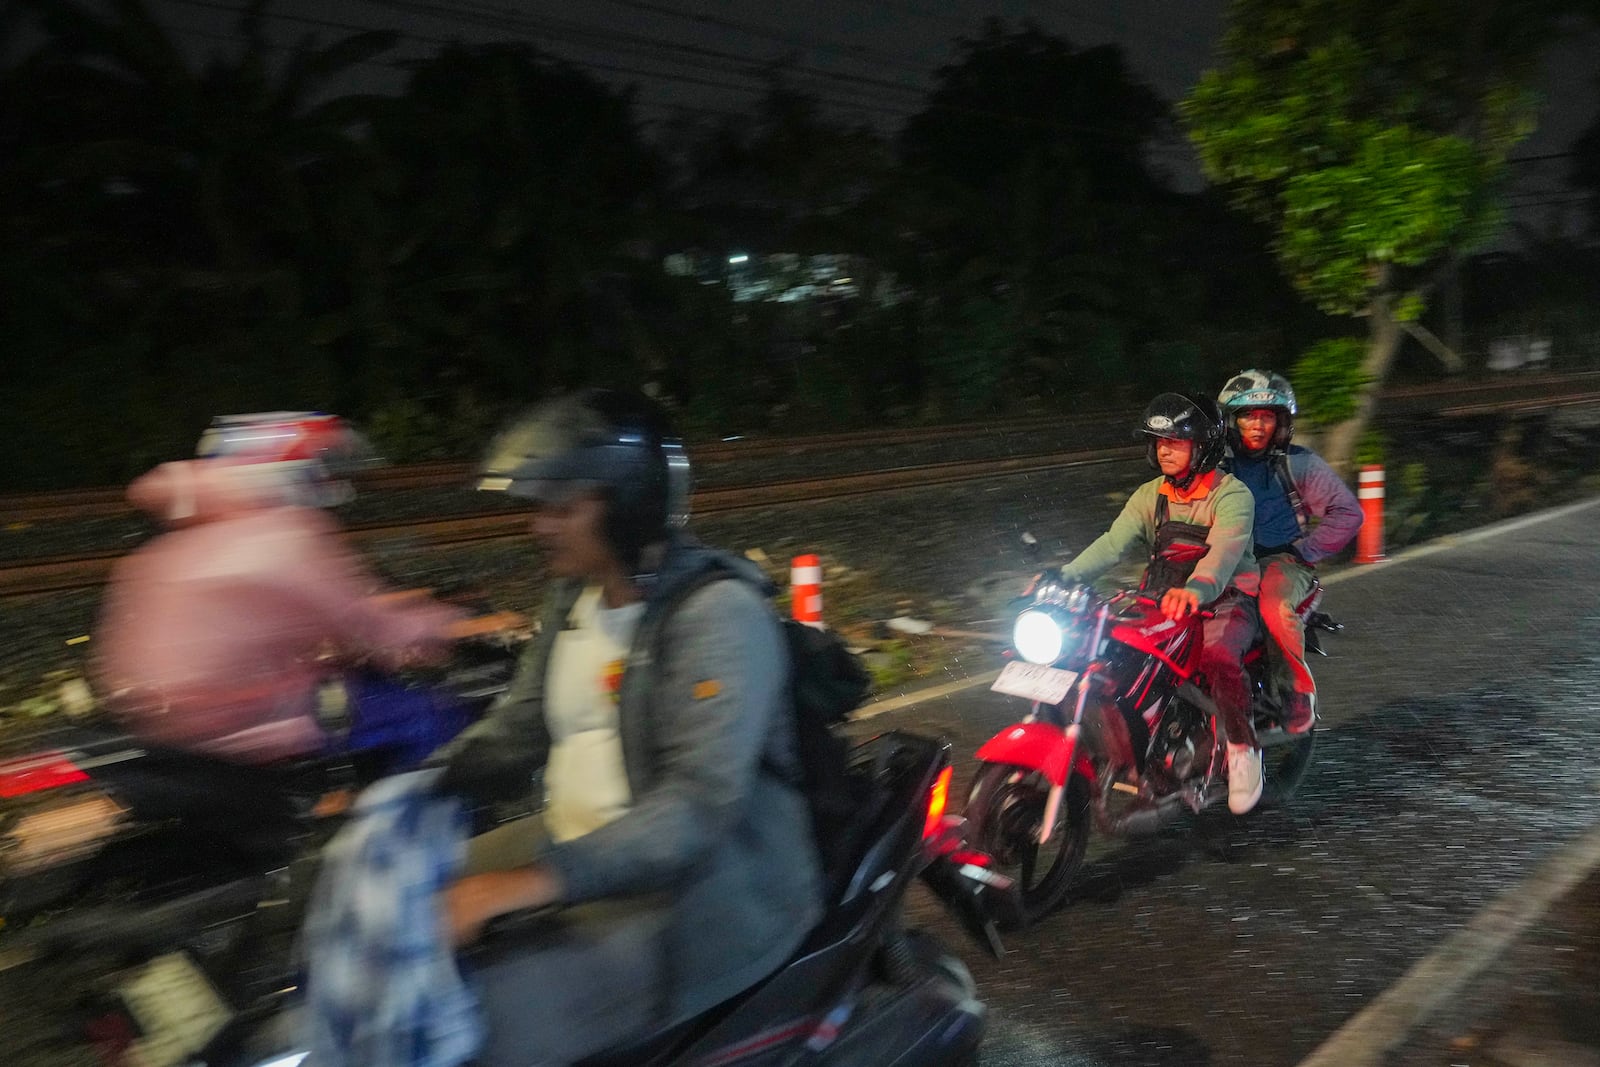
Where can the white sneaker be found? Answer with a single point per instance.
(1245, 778)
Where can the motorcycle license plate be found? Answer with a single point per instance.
(1047, 685)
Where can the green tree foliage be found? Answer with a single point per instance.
(157, 216)
(1372, 137)
(502, 196)
(1328, 380)
(787, 180)
(1046, 247)
(1025, 194)
(181, 238)
(1585, 170)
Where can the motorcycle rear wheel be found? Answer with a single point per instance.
(1005, 810)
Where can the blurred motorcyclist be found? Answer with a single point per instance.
(1196, 522)
(214, 636)
(654, 700)
(1304, 514)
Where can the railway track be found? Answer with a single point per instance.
(109, 502)
(57, 574)
(1446, 399)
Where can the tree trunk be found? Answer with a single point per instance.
(1383, 341)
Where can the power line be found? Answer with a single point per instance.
(762, 32)
(1555, 201)
(1172, 43)
(615, 40)
(881, 108)
(444, 42)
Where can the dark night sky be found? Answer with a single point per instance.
(870, 59)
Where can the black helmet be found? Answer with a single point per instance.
(1251, 389)
(1178, 417)
(620, 443)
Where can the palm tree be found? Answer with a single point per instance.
(182, 209)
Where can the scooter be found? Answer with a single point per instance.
(862, 990)
(93, 812)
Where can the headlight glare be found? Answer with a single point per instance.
(1038, 637)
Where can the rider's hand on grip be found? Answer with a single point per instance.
(475, 900)
(1179, 603)
(481, 625)
(1049, 574)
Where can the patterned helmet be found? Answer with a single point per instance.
(1250, 389)
(306, 457)
(1179, 417)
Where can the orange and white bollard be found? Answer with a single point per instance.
(805, 590)
(1369, 490)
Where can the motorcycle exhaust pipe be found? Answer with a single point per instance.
(1141, 822)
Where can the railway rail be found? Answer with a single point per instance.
(56, 574)
(1447, 399)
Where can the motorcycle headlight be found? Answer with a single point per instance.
(1038, 636)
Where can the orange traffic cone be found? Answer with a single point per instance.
(805, 588)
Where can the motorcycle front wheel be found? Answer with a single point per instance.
(1005, 811)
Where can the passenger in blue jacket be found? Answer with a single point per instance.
(1304, 514)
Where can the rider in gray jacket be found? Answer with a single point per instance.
(1304, 514)
(655, 702)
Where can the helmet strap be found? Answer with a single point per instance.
(648, 571)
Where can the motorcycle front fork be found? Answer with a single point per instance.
(1052, 804)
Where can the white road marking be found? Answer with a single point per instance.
(922, 696)
(1370, 1035)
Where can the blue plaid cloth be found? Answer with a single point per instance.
(382, 985)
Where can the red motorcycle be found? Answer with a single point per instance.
(1119, 733)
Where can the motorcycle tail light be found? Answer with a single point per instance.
(938, 797)
(37, 773)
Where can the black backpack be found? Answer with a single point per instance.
(826, 683)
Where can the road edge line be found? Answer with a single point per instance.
(1466, 537)
(1370, 1035)
(918, 696)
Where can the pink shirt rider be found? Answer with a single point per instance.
(211, 635)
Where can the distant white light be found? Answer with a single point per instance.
(740, 258)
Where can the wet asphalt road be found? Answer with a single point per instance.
(1461, 715)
